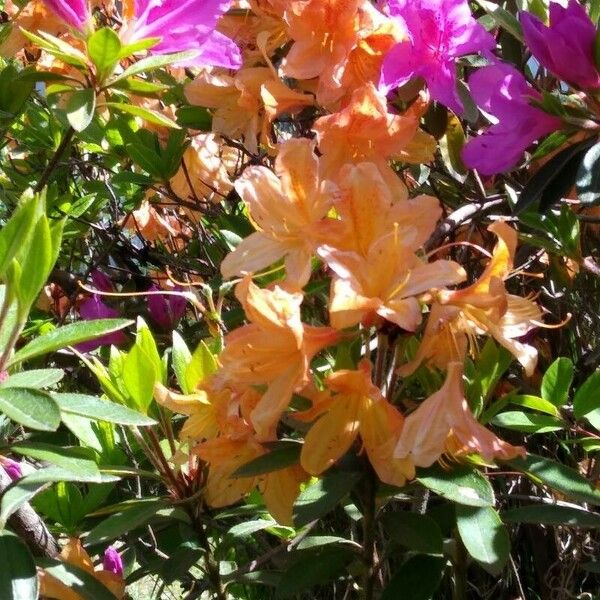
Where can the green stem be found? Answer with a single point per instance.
(369, 523)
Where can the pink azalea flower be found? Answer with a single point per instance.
(94, 308)
(165, 310)
(439, 31)
(75, 13)
(185, 25)
(12, 468)
(502, 91)
(566, 47)
(112, 561)
(181, 25)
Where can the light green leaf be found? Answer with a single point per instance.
(484, 536)
(151, 63)
(152, 116)
(32, 408)
(181, 359)
(202, 365)
(586, 403)
(557, 381)
(69, 335)
(36, 378)
(81, 107)
(528, 422)
(104, 48)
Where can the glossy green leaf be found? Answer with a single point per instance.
(151, 63)
(32, 408)
(152, 116)
(104, 410)
(69, 335)
(528, 422)
(557, 381)
(586, 403)
(552, 514)
(322, 496)
(122, 522)
(202, 365)
(181, 357)
(104, 48)
(588, 175)
(461, 485)
(558, 477)
(15, 496)
(418, 578)
(18, 575)
(484, 536)
(282, 455)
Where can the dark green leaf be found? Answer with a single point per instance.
(418, 578)
(558, 477)
(323, 496)
(587, 400)
(16, 495)
(416, 532)
(122, 522)
(282, 455)
(588, 177)
(552, 514)
(555, 178)
(462, 485)
(484, 536)
(18, 575)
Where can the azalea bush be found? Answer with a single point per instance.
(298, 299)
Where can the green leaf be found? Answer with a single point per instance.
(139, 377)
(181, 357)
(81, 107)
(103, 410)
(484, 536)
(202, 365)
(586, 403)
(194, 117)
(527, 422)
(558, 477)
(462, 485)
(588, 175)
(317, 541)
(322, 496)
(18, 575)
(416, 532)
(32, 408)
(418, 578)
(78, 580)
(151, 63)
(315, 569)
(36, 378)
(152, 116)
(104, 48)
(552, 514)
(283, 454)
(552, 181)
(70, 459)
(247, 528)
(122, 522)
(69, 335)
(15, 496)
(535, 403)
(503, 18)
(557, 381)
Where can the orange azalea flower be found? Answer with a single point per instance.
(279, 488)
(444, 423)
(486, 307)
(274, 349)
(246, 103)
(382, 274)
(287, 210)
(151, 224)
(74, 554)
(356, 407)
(365, 131)
(205, 174)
